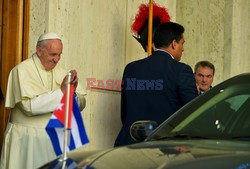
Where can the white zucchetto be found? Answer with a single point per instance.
(47, 36)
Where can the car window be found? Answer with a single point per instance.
(224, 115)
(220, 119)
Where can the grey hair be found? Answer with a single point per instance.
(41, 43)
(204, 63)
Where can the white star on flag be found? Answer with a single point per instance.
(59, 106)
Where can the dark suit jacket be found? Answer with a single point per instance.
(153, 89)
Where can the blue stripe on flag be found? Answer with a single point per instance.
(55, 140)
(72, 145)
(79, 121)
(54, 123)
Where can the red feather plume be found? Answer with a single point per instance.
(142, 16)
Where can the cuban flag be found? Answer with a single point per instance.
(55, 126)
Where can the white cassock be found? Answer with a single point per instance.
(32, 94)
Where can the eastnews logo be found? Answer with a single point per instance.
(131, 84)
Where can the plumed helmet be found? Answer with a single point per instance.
(140, 24)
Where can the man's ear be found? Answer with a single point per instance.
(173, 44)
(38, 50)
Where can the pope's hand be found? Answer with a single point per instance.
(73, 80)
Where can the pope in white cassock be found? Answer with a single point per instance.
(35, 87)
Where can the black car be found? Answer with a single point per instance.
(212, 131)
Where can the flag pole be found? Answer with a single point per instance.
(66, 126)
(150, 27)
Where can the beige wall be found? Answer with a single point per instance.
(98, 43)
(240, 37)
(218, 31)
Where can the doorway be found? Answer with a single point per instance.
(14, 30)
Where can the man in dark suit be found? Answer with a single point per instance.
(157, 86)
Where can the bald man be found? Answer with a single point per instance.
(35, 87)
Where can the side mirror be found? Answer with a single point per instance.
(140, 130)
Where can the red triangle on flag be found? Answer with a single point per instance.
(61, 108)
